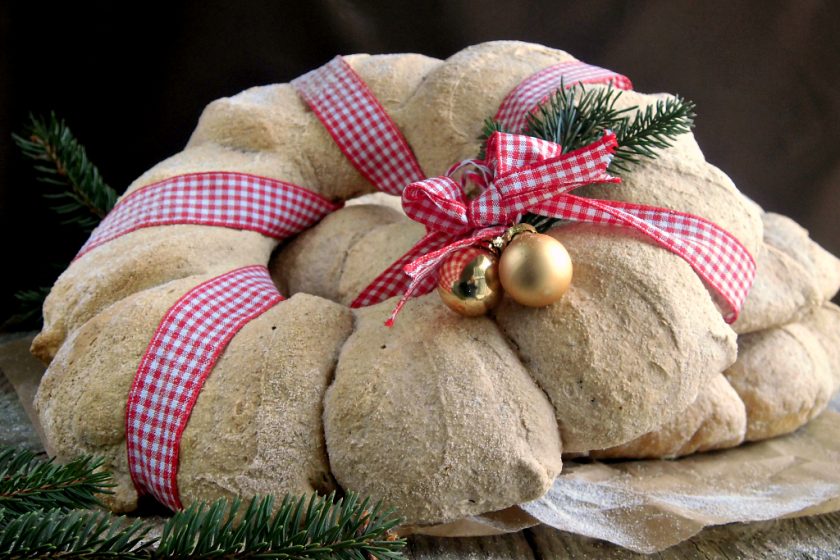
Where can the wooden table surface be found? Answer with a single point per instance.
(816, 537)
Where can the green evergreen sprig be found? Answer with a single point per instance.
(36, 521)
(79, 193)
(62, 534)
(577, 116)
(318, 528)
(653, 129)
(29, 484)
(76, 192)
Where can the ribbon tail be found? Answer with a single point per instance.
(420, 276)
(422, 270)
(721, 261)
(393, 280)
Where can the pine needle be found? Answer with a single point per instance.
(576, 116)
(72, 534)
(318, 528)
(652, 130)
(29, 484)
(76, 189)
(36, 521)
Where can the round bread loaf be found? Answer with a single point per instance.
(442, 416)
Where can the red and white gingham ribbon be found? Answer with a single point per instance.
(533, 90)
(371, 141)
(532, 175)
(196, 330)
(526, 171)
(359, 125)
(520, 174)
(188, 342)
(224, 199)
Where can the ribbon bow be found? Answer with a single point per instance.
(523, 174)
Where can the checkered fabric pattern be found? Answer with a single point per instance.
(182, 353)
(529, 172)
(420, 273)
(532, 177)
(224, 199)
(359, 125)
(715, 255)
(452, 221)
(439, 203)
(510, 152)
(533, 90)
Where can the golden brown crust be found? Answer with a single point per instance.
(238, 440)
(716, 420)
(433, 412)
(630, 344)
(488, 423)
(786, 375)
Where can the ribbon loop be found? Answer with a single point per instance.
(532, 175)
(437, 203)
(532, 183)
(509, 152)
(527, 171)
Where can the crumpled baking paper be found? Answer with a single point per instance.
(648, 506)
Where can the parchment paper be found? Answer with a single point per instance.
(646, 506)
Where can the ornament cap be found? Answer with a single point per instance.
(499, 243)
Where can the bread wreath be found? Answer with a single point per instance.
(441, 416)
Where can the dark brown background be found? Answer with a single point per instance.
(132, 79)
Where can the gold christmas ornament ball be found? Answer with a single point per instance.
(468, 281)
(535, 269)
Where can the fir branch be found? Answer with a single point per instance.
(651, 130)
(29, 484)
(574, 117)
(577, 116)
(72, 534)
(36, 520)
(79, 193)
(29, 308)
(319, 528)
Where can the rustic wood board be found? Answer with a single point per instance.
(816, 537)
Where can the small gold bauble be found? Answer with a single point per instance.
(535, 269)
(468, 281)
